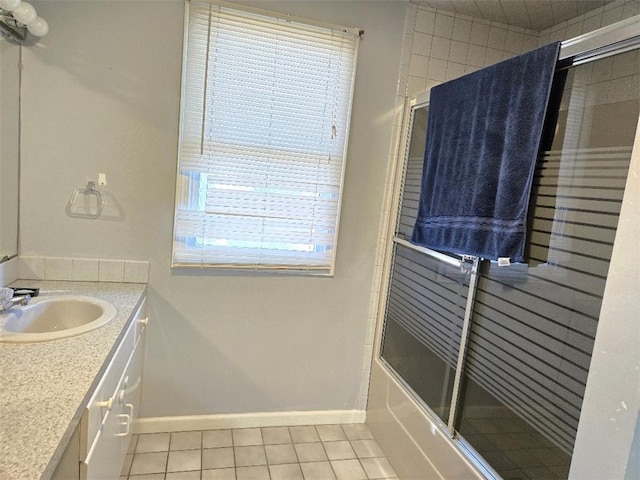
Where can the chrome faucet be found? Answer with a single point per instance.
(7, 302)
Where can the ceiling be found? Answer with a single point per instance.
(532, 14)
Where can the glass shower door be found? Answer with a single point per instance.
(512, 397)
(534, 325)
(426, 298)
(425, 313)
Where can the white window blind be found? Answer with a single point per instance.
(265, 118)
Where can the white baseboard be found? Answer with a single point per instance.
(247, 420)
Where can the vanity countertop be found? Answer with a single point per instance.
(44, 387)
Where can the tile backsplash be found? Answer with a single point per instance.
(83, 269)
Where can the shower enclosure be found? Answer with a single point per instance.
(498, 357)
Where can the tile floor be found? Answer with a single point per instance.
(513, 447)
(322, 452)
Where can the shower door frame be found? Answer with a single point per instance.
(604, 42)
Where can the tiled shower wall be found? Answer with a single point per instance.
(439, 46)
(597, 18)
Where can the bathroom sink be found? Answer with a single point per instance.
(52, 318)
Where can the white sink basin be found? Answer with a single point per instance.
(52, 318)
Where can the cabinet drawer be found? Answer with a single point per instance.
(104, 397)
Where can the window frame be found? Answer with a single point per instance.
(327, 267)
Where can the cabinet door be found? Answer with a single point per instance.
(128, 405)
(106, 456)
(103, 461)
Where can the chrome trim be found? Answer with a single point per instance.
(608, 51)
(462, 349)
(421, 99)
(455, 262)
(10, 29)
(584, 46)
(476, 459)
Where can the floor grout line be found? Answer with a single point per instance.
(317, 438)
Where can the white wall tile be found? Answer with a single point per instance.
(418, 65)
(425, 20)
(403, 78)
(631, 9)
(421, 44)
(364, 381)
(623, 67)
(470, 69)
(544, 38)
(458, 52)
(368, 353)
(136, 272)
(507, 55)
(437, 69)
(461, 30)
(111, 270)
(475, 55)
(557, 35)
(635, 81)
(591, 23)
(454, 70)
(407, 47)
(31, 268)
(560, 27)
(493, 56)
(58, 268)
(440, 48)
(573, 29)
(514, 41)
(529, 43)
(612, 16)
(415, 85)
(410, 17)
(603, 71)
(620, 89)
(84, 270)
(479, 33)
(432, 83)
(497, 38)
(371, 329)
(443, 25)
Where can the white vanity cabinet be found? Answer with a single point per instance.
(107, 423)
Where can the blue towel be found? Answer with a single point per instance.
(483, 138)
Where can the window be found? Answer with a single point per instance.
(265, 114)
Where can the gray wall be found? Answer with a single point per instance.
(101, 94)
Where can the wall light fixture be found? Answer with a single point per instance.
(18, 17)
